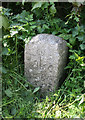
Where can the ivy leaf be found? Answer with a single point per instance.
(37, 5)
(81, 37)
(74, 33)
(8, 93)
(72, 41)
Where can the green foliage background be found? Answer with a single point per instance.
(20, 98)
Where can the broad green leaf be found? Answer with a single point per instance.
(74, 33)
(4, 22)
(0, 8)
(68, 44)
(81, 37)
(8, 92)
(67, 67)
(39, 29)
(65, 36)
(13, 32)
(36, 89)
(77, 19)
(45, 26)
(45, 5)
(53, 9)
(82, 46)
(23, 1)
(72, 41)
(4, 70)
(37, 5)
(5, 51)
(33, 27)
(0, 21)
(72, 57)
(27, 95)
(54, 32)
(13, 110)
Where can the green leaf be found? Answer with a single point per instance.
(81, 37)
(23, 1)
(72, 57)
(36, 89)
(37, 5)
(4, 70)
(67, 67)
(82, 100)
(13, 32)
(68, 44)
(8, 92)
(4, 22)
(72, 41)
(13, 111)
(53, 9)
(39, 29)
(54, 32)
(65, 36)
(82, 46)
(45, 26)
(33, 27)
(76, 18)
(5, 51)
(0, 21)
(27, 95)
(74, 33)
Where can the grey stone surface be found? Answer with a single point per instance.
(45, 59)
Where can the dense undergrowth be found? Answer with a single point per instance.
(20, 98)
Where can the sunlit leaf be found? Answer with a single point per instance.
(13, 32)
(82, 46)
(53, 9)
(36, 89)
(37, 5)
(8, 92)
(4, 22)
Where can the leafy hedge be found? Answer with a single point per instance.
(20, 98)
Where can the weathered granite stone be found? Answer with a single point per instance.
(45, 59)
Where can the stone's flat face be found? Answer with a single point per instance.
(45, 59)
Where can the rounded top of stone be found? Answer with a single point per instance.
(47, 37)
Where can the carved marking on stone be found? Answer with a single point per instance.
(45, 59)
